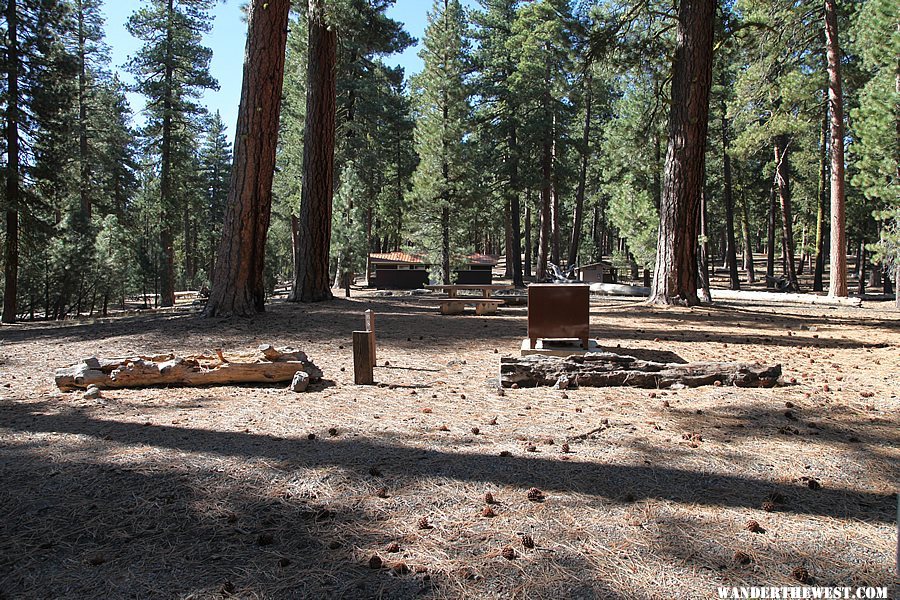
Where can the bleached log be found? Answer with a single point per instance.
(616, 289)
(777, 297)
(619, 289)
(607, 369)
(267, 365)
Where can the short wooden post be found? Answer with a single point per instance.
(370, 327)
(362, 358)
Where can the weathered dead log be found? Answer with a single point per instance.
(608, 369)
(268, 365)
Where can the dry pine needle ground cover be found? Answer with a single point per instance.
(364, 492)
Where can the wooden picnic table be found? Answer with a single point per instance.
(486, 288)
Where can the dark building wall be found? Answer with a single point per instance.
(474, 277)
(399, 279)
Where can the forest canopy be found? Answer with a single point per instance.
(536, 130)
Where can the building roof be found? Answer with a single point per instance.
(396, 258)
(482, 259)
(602, 263)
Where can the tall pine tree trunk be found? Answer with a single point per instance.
(704, 249)
(238, 280)
(734, 280)
(783, 184)
(84, 164)
(545, 227)
(748, 241)
(507, 238)
(675, 277)
(515, 210)
(311, 281)
(526, 268)
(838, 277)
(166, 201)
(861, 266)
(578, 212)
(554, 199)
(11, 262)
(770, 241)
(819, 274)
(445, 245)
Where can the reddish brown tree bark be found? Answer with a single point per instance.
(238, 285)
(313, 227)
(838, 279)
(675, 277)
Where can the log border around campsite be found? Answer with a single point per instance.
(609, 369)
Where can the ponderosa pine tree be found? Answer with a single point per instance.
(311, 231)
(91, 54)
(215, 174)
(238, 284)
(541, 45)
(35, 63)
(837, 283)
(497, 116)
(877, 125)
(442, 109)
(171, 69)
(675, 276)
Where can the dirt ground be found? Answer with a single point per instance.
(258, 492)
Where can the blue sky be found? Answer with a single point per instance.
(227, 42)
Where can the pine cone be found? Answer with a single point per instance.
(741, 558)
(392, 547)
(754, 526)
(375, 562)
(400, 568)
(535, 495)
(489, 498)
(527, 541)
(424, 524)
(488, 512)
(508, 553)
(801, 575)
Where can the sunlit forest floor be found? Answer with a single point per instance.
(258, 492)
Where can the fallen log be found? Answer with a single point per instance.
(605, 369)
(786, 298)
(616, 289)
(268, 365)
(619, 289)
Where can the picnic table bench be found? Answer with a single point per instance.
(486, 288)
(455, 305)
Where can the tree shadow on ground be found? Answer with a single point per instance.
(149, 527)
(153, 525)
(407, 322)
(604, 480)
(336, 319)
